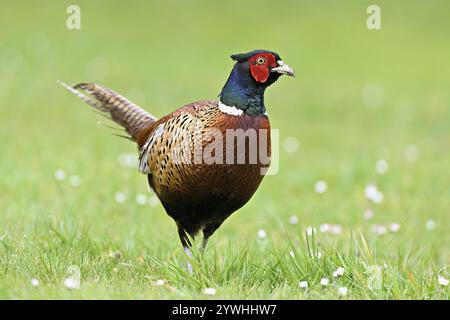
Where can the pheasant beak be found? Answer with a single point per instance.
(283, 68)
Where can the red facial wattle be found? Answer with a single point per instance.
(260, 71)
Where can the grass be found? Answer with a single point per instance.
(162, 58)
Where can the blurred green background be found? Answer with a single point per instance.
(360, 96)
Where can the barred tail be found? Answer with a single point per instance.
(124, 112)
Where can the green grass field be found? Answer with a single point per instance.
(360, 96)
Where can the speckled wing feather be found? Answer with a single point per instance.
(170, 142)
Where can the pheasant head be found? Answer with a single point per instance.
(253, 72)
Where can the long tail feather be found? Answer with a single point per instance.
(111, 104)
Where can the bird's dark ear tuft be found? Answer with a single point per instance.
(239, 57)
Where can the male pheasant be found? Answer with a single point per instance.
(200, 193)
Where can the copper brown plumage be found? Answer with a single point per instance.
(200, 195)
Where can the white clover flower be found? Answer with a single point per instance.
(368, 214)
(442, 281)
(321, 186)
(262, 234)
(293, 219)
(324, 227)
(73, 279)
(412, 153)
(381, 166)
(120, 197)
(342, 291)
(290, 144)
(394, 227)
(373, 194)
(303, 284)
(310, 231)
(370, 191)
(159, 282)
(324, 282)
(336, 229)
(292, 254)
(60, 174)
(209, 291)
(379, 229)
(129, 160)
(34, 282)
(71, 283)
(430, 224)
(153, 201)
(374, 277)
(339, 272)
(379, 198)
(75, 181)
(319, 255)
(141, 199)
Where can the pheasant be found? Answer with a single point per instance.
(200, 194)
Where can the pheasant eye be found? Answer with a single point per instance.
(260, 60)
